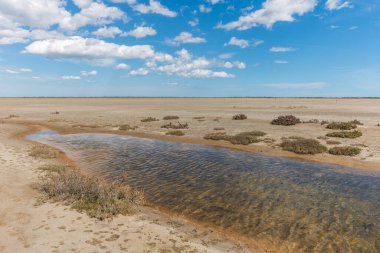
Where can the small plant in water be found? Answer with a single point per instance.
(287, 120)
(303, 146)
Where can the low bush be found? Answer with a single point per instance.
(217, 137)
(311, 121)
(341, 126)
(333, 142)
(97, 198)
(303, 146)
(127, 127)
(287, 120)
(244, 138)
(345, 134)
(176, 126)
(219, 128)
(169, 117)
(346, 151)
(324, 122)
(149, 119)
(356, 122)
(201, 117)
(175, 132)
(239, 117)
(42, 151)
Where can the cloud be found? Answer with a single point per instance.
(204, 9)
(139, 72)
(215, 1)
(122, 66)
(281, 49)
(82, 3)
(186, 38)
(280, 62)
(141, 32)
(107, 32)
(154, 7)
(89, 73)
(225, 56)
(84, 48)
(272, 11)
(337, 4)
(71, 77)
(237, 64)
(18, 71)
(19, 35)
(238, 42)
(193, 22)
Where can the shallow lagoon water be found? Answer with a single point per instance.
(292, 205)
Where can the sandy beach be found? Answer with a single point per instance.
(27, 227)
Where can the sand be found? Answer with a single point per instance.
(27, 227)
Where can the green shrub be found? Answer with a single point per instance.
(170, 117)
(341, 126)
(176, 126)
(345, 134)
(217, 136)
(244, 138)
(239, 117)
(303, 146)
(127, 127)
(149, 119)
(287, 120)
(356, 122)
(97, 198)
(346, 151)
(175, 132)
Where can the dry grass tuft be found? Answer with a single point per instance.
(341, 126)
(239, 117)
(176, 132)
(303, 146)
(287, 120)
(346, 151)
(149, 119)
(44, 152)
(176, 126)
(170, 117)
(345, 134)
(127, 127)
(97, 198)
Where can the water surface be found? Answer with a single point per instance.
(292, 205)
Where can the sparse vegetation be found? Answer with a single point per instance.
(287, 120)
(44, 152)
(244, 138)
(356, 122)
(175, 132)
(55, 112)
(169, 117)
(303, 146)
(341, 126)
(149, 119)
(324, 122)
(345, 134)
(97, 198)
(311, 121)
(11, 116)
(219, 128)
(176, 126)
(201, 117)
(239, 117)
(329, 142)
(346, 151)
(127, 127)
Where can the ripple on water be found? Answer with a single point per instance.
(296, 206)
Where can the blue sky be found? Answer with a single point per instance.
(189, 48)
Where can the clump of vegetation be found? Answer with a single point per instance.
(44, 152)
(239, 117)
(149, 119)
(176, 126)
(244, 138)
(341, 126)
(329, 142)
(97, 198)
(176, 132)
(356, 122)
(201, 117)
(219, 128)
(346, 151)
(11, 116)
(127, 127)
(345, 134)
(217, 137)
(311, 121)
(303, 146)
(324, 122)
(83, 126)
(287, 120)
(55, 112)
(169, 117)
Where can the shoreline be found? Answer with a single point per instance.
(256, 149)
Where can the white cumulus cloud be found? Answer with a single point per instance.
(141, 32)
(281, 49)
(71, 77)
(186, 38)
(154, 7)
(337, 4)
(89, 73)
(107, 32)
(238, 42)
(122, 66)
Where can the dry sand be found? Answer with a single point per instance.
(26, 227)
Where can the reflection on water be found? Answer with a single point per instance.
(296, 206)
